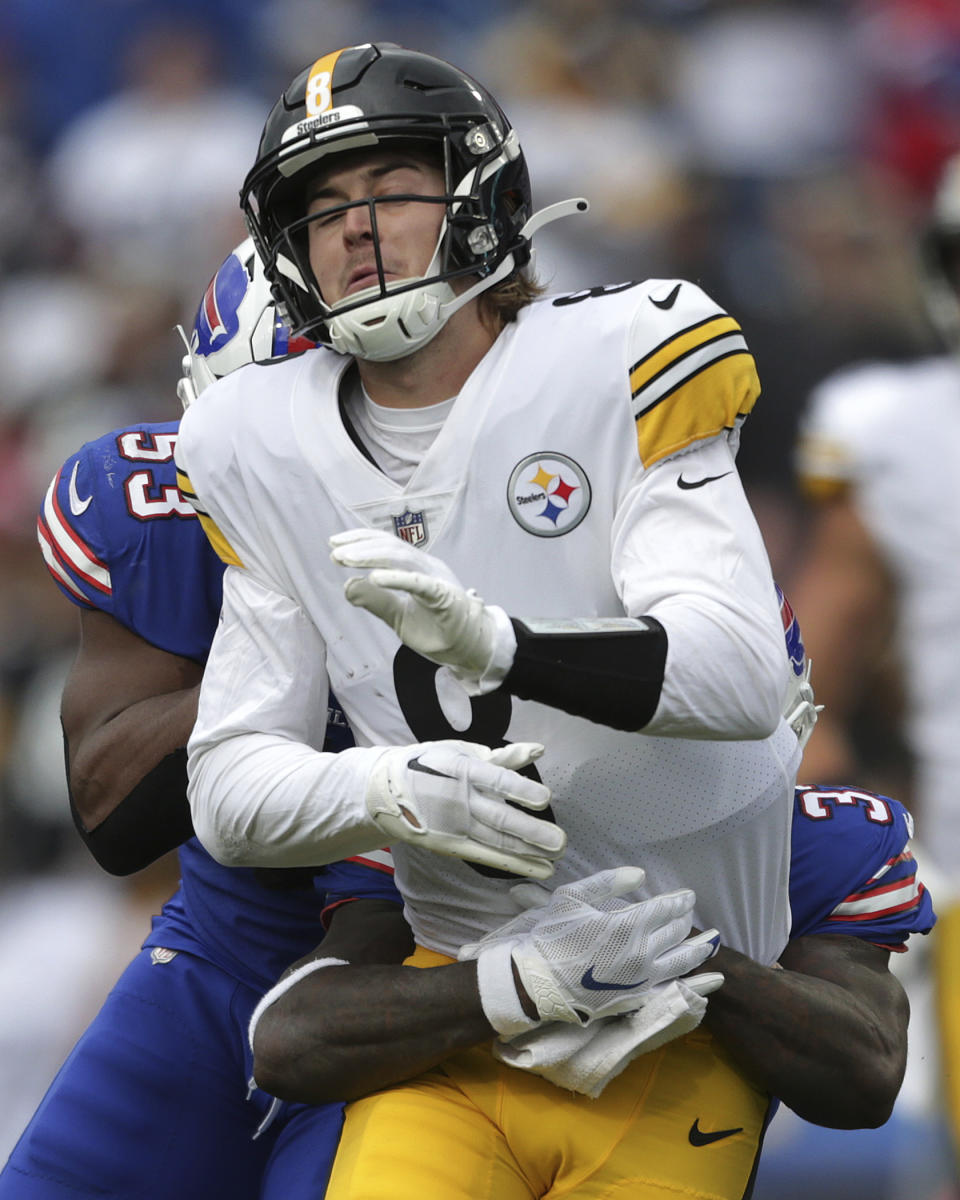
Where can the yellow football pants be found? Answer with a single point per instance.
(946, 962)
(677, 1123)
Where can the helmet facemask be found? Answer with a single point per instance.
(372, 95)
(479, 236)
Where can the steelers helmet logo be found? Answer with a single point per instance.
(548, 494)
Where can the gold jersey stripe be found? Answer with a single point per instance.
(701, 406)
(186, 488)
(219, 542)
(214, 536)
(679, 346)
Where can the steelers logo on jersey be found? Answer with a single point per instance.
(548, 494)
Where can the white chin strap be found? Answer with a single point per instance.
(395, 326)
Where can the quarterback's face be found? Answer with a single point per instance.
(342, 252)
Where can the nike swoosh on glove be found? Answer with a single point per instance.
(458, 798)
(589, 954)
(424, 603)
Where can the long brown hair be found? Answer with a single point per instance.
(500, 305)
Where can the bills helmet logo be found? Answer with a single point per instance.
(218, 318)
(791, 632)
(238, 321)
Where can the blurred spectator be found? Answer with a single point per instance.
(449, 28)
(148, 179)
(767, 90)
(584, 86)
(71, 55)
(911, 49)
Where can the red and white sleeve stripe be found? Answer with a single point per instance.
(61, 545)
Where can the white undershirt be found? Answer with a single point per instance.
(397, 438)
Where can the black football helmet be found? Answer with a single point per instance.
(940, 255)
(364, 96)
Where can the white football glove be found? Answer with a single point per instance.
(451, 797)
(800, 710)
(588, 955)
(195, 376)
(584, 1058)
(420, 598)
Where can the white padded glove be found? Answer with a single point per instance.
(427, 607)
(452, 796)
(584, 1058)
(588, 954)
(195, 375)
(800, 710)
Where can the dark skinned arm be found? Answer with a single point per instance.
(827, 1034)
(343, 1032)
(127, 712)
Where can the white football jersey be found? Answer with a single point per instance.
(586, 470)
(890, 434)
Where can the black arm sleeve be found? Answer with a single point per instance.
(610, 672)
(152, 819)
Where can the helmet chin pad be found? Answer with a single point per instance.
(393, 326)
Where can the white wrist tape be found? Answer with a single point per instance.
(498, 992)
(285, 985)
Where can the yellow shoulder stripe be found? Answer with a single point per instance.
(216, 539)
(702, 405)
(678, 347)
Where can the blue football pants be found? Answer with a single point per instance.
(152, 1103)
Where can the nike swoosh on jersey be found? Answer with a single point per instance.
(595, 985)
(699, 1137)
(667, 301)
(77, 506)
(688, 484)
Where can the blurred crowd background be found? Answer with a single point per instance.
(782, 154)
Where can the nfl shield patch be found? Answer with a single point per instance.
(412, 527)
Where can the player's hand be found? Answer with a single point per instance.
(591, 955)
(195, 375)
(585, 1058)
(420, 598)
(800, 709)
(451, 797)
(186, 392)
(532, 899)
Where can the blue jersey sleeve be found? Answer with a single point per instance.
(363, 877)
(117, 536)
(851, 869)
